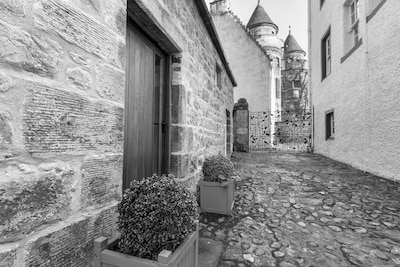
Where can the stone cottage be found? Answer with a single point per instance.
(94, 94)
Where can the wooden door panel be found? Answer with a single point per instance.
(143, 108)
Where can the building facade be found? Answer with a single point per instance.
(272, 77)
(254, 54)
(354, 83)
(94, 94)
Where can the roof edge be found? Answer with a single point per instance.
(206, 17)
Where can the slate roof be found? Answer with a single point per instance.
(260, 17)
(291, 45)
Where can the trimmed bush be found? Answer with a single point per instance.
(155, 213)
(217, 169)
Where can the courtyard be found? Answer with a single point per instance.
(304, 210)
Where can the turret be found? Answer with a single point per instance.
(265, 31)
(292, 47)
(293, 54)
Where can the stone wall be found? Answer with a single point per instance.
(250, 64)
(62, 70)
(362, 88)
(61, 119)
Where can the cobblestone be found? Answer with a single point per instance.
(307, 210)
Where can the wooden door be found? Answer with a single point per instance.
(145, 116)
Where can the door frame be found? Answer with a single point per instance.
(154, 45)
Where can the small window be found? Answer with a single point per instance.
(218, 78)
(355, 13)
(330, 125)
(326, 56)
(296, 93)
(297, 84)
(278, 88)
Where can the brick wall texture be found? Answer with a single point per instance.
(62, 70)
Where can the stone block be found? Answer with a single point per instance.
(79, 78)
(80, 29)
(6, 83)
(16, 7)
(178, 104)
(110, 82)
(72, 244)
(6, 131)
(8, 257)
(32, 196)
(101, 179)
(31, 53)
(181, 138)
(179, 165)
(57, 122)
(81, 60)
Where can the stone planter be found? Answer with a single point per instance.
(216, 197)
(185, 255)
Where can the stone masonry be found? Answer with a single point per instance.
(61, 141)
(62, 84)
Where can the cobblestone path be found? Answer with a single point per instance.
(307, 210)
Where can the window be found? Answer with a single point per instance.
(297, 84)
(329, 125)
(218, 79)
(326, 56)
(354, 15)
(296, 93)
(352, 39)
(278, 87)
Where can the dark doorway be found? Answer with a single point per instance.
(228, 133)
(146, 97)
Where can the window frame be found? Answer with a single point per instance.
(218, 76)
(330, 124)
(354, 20)
(326, 54)
(278, 88)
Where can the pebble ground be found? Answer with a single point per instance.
(307, 210)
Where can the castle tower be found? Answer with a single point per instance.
(294, 77)
(264, 30)
(292, 49)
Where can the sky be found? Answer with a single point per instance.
(282, 12)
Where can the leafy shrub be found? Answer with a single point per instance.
(217, 169)
(155, 213)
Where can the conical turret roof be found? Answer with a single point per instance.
(260, 17)
(291, 45)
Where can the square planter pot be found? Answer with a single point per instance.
(216, 198)
(185, 255)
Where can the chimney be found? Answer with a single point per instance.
(219, 7)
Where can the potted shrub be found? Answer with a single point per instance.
(217, 188)
(157, 226)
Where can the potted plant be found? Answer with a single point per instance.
(157, 227)
(217, 188)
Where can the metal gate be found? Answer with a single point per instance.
(293, 131)
(260, 130)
